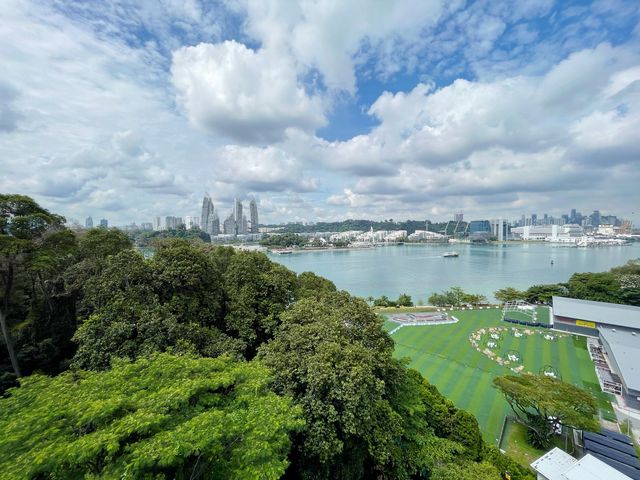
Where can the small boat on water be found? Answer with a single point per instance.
(450, 254)
(282, 252)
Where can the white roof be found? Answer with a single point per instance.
(602, 312)
(591, 468)
(626, 349)
(553, 463)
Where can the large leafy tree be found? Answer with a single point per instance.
(600, 287)
(544, 403)
(257, 291)
(509, 294)
(332, 357)
(165, 416)
(140, 307)
(33, 247)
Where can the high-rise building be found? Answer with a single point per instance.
(171, 223)
(458, 217)
(88, 223)
(534, 219)
(253, 213)
(243, 227)
(214, 224)
(104, 223)
(595, 218)
(205, 216)
(191, 221)
(572, 217)
(230, 225)
(146, 226)
(237, 211)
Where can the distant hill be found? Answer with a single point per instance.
(409, 225)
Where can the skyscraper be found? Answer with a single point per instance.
(237, 211)
(253, 213)
(230, 225)
(207, 210)
(104, 223)
(214, 224)
(88, 223)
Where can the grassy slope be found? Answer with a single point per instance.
(445, 357)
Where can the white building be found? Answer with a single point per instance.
(559, 465)
(425, 235)
(551, 233)
(191, 221)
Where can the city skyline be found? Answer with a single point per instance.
(418, 109)
(249, 225)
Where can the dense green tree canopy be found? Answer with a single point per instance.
(165, 416)
(456, 297)
(332, 356)
(189, 297)
(34, 248)
(544, 403)
(509, 294)
(284, 240)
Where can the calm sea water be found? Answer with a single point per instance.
(420, 270)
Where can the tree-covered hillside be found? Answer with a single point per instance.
(204, 362)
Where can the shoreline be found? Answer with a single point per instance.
(431, 244)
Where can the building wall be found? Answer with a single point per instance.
(566, 324)
(630, 395)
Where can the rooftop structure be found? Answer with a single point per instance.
(623, 347)
(613, 449)
(553, 463)
(598, 313)
(559, 465)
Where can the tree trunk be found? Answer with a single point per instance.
(7, 340)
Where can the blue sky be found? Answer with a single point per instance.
(321, 110)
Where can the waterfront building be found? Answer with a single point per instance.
(253, 214)
(604, 229)
(424, 235)
(88, 223)
(499, 229)
(104, 223)
(476, 226)
(553, 233)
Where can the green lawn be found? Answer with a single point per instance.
(444, 355)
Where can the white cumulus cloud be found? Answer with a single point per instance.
(243, 94)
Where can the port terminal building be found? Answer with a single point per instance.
(613, 340)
